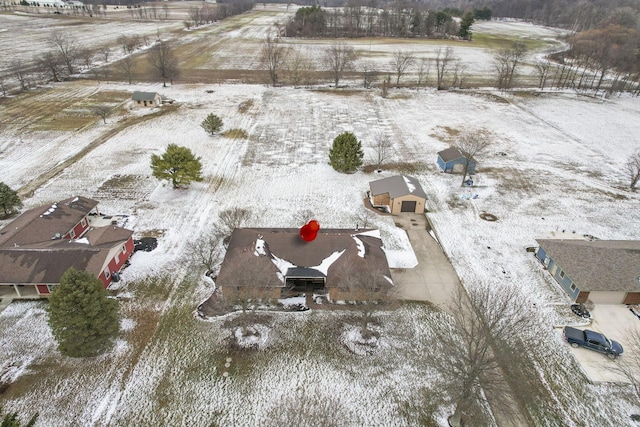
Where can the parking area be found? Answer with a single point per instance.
(615, 322)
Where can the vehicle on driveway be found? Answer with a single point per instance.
(146, 244)
(593, 341)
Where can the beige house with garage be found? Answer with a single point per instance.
(397, 194)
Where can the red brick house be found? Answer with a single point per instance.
(41, 244)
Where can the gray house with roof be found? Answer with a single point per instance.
(146, 99)
(400, 193)
(602, 271)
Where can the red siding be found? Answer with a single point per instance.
(79, 229)
(43, 289)
(116, 266)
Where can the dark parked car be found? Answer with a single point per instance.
(593, 341)
(146, 244)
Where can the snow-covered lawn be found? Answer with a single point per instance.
(562, 171)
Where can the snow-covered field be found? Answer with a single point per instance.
(562, 171)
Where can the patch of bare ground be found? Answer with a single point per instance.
(402, 167)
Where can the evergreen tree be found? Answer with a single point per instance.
(212, 124)
(11, 420)
(83, 319)
(177, 164)
(9, 199)
(346, 153)
(465, 25)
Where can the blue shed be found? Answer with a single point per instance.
(451, 160)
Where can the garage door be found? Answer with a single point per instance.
(607, 297)
(408, 206)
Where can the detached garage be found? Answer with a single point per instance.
(602, 271)
(398, 194)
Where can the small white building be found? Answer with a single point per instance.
(146, 99)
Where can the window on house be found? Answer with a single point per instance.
(124, 249)
(573, 287)
(83, 223)
(561, 274)
(72, 234)
(107, 273)
(50, 287)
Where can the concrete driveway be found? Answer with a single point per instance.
(616, 322)
(433, 279)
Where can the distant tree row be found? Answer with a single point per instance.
(357, 20)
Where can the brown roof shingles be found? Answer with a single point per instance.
(286, 244)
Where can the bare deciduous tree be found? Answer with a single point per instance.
(382, 148)
(400, 62)
(208, 251)
(339, 58)
(372, 292)
(542, 72)
(470, 144)
(632, 167)
(20, 73)
(464, 348)
(102, 111)
(423, 72)
(86, 56)
(273, 56)
(443, 59)
(126, 65)
(50, 64)
(233, 218)
(363, 218)
(296, 66)
(506, 64)
(105, 52)
(163, 62)
(629, 365)
(67, 48)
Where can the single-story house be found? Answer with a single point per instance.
(42, 243)
(602, 271)
(451, 160)
(146, 99)
(399, 193)
(271, 263)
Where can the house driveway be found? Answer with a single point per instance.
(433, 279)
(616, 322)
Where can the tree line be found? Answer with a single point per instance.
(394, 20)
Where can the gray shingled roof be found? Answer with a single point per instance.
(143, 96)
(598, 265)
(397, 186)
(451, 153)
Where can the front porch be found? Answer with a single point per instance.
(19, 292)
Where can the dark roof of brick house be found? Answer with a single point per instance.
(597, 265)
(46, 222)
(283, 246)
(29, 253)
(397, 186)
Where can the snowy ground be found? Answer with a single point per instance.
(562, 171)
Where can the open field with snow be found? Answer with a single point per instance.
(562, 170)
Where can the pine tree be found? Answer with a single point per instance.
(465, 25)
(212, 124)
(83, 319)
(177, 164)
(9, 199)
(346, 153)
(11, 420)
